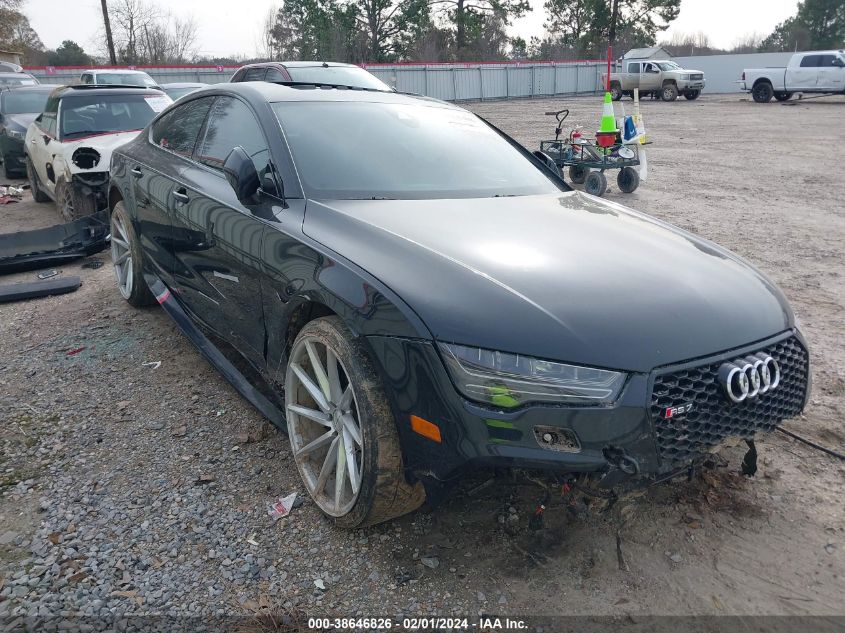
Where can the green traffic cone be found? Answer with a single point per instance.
(608, 119)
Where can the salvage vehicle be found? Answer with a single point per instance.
(420, 313)
(815, 72)
(663, 78)
(17, 79)
(19, 106)
(310, 72)
(117, 77)
(69, 145)
(178, 90)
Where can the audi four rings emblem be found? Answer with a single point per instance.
(748, 377)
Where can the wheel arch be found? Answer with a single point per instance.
(761, 80)
(115, 196)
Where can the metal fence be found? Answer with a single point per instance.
(451, 82)
(479, 81)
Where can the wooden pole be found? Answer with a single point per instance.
(109, 40)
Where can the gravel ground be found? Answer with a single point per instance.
(132, 488)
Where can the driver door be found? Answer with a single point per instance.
(218, 261)
(650, 77)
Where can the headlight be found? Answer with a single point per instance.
(511, 380)
(16, 134)
(85, 157)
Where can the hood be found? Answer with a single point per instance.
(565, 277)
(21, 120)
(105, 144)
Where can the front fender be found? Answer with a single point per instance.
(301, 274)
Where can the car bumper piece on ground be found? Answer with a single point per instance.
(64, 242)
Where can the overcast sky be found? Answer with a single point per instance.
(230, 27)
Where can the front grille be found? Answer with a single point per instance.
(713, 417)
(696, 76)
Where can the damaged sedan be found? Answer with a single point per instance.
(68, 146)
(413, 294)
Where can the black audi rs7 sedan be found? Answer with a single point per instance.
(411, 294)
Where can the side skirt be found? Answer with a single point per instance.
(213, 354)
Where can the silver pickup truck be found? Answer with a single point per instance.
(661, 77)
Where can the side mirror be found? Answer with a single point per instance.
(838, 62)
(241, 173)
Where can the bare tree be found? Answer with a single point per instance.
(266, 44)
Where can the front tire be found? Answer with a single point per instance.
(34, 183)
(342, 431)
(71, 204)
(783, 96)
(669, 92)
(762, 92)
(127, 260)
(692, 95)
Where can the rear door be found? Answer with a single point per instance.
(804, 75)
(154, 176)
(831, 77)
(218, 265)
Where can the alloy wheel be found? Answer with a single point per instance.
(324, 426)
(121, 255)
(66, 204)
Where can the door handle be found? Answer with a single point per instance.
(181, 195)
(32, 140)
(137, 172)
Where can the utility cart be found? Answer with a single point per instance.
(587, 160)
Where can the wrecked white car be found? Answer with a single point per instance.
(68, 147)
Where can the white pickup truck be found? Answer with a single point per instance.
(815, 71)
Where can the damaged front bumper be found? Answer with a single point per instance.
(635, 441)
(26, 250)
(93, 186)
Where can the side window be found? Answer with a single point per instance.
(810, 61)
(86, 78)
(255, 74)
(826, 61)
(634, 67)
(178, 130)
(232, 123)
(274, 74)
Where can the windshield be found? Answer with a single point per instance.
(338, 75)
(23, 101)
(668, 66)
(352, 150)
(102, 114)
(126, 79)
(17, 80)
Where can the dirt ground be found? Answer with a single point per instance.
(164, 473)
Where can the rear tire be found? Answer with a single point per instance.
(577, 174)
(128, 260)
(34, 183)
(351, 406)
(596, 184)
(628, 180)
(669, 92)
(615, 92)
(762, 92)
(783, 96)
(692, 95)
